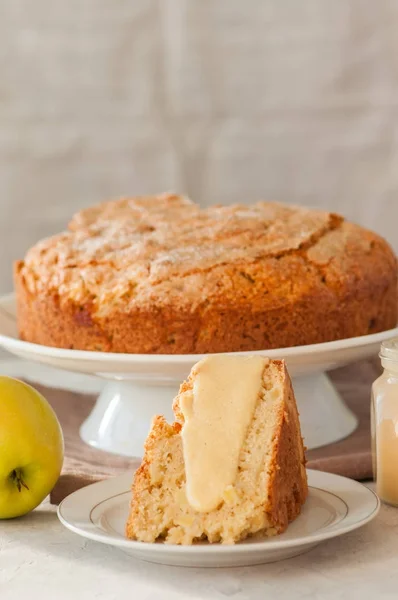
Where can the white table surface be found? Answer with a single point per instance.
(41, 559)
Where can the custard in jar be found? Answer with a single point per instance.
(384, 425)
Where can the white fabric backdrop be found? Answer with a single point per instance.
(226, 101)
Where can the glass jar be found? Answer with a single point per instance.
(384, 425)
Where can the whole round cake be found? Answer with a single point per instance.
(161, 275)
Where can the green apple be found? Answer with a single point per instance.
(31, 448)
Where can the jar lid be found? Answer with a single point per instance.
(389, 349)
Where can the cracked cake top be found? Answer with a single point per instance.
(165, 249)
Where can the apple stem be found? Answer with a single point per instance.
(16, 477)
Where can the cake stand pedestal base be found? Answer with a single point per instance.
(120, 420)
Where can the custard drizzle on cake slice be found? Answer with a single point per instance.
(217, 413)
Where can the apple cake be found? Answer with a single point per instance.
(232, 464)
(161, 275)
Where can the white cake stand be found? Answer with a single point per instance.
(142, 385)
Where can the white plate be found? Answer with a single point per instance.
(335, 505)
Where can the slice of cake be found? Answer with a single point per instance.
(232, 464)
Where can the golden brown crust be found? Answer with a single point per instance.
(289, 488)
(159, 275)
